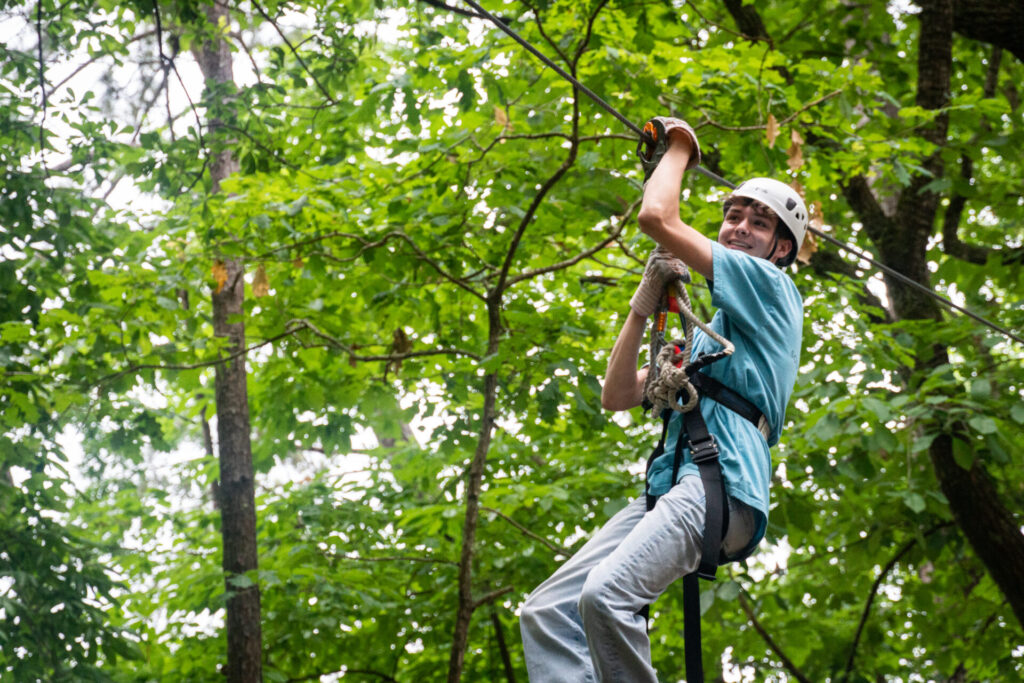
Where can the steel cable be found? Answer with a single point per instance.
(856, 251)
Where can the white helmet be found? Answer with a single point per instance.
(783, 200)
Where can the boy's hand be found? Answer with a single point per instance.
(659, 132)
(662, 269)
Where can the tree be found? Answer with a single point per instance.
(236, 489)
(436, 236)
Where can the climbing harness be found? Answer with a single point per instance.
(848, 248)
(676, 384)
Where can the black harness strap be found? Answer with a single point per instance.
(704, 454)
(711, 388)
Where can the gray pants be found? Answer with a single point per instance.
(582, 624)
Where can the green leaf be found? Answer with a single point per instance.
(983, 424)
(981, 389)
(707, 599)
(913, 500)
(728, 591)
(922, 443)
(963, 453)
(240, 581)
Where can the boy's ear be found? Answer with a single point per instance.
(782, 249)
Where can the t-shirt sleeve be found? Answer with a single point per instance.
(753, 292)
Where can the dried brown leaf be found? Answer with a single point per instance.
(771, 130)
(400, 341)
(220, 275)
(500, 117)
(795, 152)
(817, 215)
(260, 282)
(807, 249)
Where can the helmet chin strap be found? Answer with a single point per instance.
(775, 245)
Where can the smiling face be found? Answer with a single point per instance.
(752, 227)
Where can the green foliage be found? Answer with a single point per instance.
(385, 174)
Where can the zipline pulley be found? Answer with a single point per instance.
(848, 248)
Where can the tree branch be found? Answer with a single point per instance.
(506, 658)
(488, 417)
(748, 21)
(829, 263)
(42, 79)
(454, 10)
(98, 56)
(391, 357)
(346, 671)
(547, 38)
(557, 550)
(951, 242)
(274, 153)
(194, 366)
(614, 235)
(492, 596)
(874, 591)
(500, 286)
(366, 244)
(305, 67)
(721, 126)
(393, 558)
(772, 645)
(441, 271)
(586, 37)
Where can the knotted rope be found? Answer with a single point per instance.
(668, 374)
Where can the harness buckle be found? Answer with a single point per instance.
(704, 451)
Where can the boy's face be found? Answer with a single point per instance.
(750, 226)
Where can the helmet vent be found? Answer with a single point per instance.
(790, 203)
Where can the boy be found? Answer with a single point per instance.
(585, 622)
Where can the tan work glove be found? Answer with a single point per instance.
(662, 269)
(654, 144)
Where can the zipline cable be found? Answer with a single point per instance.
(856, 251)
(572, 79)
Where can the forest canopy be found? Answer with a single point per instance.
(306, 310)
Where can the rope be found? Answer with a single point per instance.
(668, 374)
(722, 181)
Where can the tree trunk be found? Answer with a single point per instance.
(237, 490)
(997, 22)
(988, 525)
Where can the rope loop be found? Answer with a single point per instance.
(668, 383)
(672, 381)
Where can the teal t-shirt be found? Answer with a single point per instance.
(761, 312)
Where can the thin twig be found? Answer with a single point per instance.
(543, 33)
(614, 235)
(42, 82)
(272, 152)
(874, 591)
(393, 558)
(531, 211)
(586, 37)
(535, 536)
(199, 127)
(248, 53)
(492, 596)
(320, 87)
(454, 10)
(708, 121)
(195, 366)
(346, 671)
(786, 661)
(97, 57)
(302, 323)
